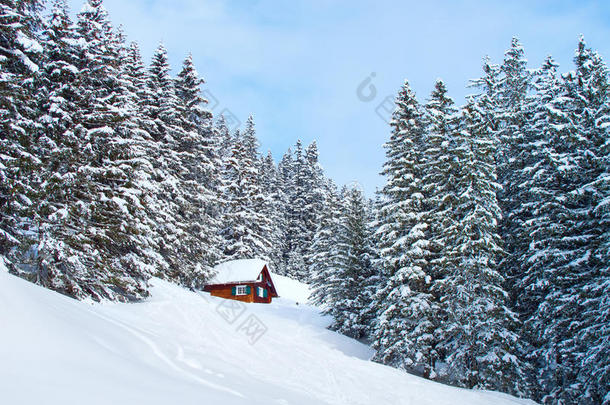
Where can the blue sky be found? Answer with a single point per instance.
(296, 65)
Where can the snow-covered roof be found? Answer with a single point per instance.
(238, 270)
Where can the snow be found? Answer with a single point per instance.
(28, 44)
(291, 289)
(26, 61)
(122, 204)
(238, 270)
(61, 213)
(182, 347)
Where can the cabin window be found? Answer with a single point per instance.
(261, 292)
(241, 290)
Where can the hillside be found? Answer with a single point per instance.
(179, 347)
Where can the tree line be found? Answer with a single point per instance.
(113, 172)
(486, 262)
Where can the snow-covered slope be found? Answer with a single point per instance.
(188, 348)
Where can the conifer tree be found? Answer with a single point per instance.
(285, 192)
(196, 202)
(160, 119)
(324, 265)
(246, 230)
(272, 208)
(314, 200)
(93, 240)
(573, 271)
(407, 310)
(60, 78)
(294, 183)
(540, 193)
(225, 139)
(513, 157)
(354, 268)
(20, 54)
(60, 85)
(440, 169)
(478, 332)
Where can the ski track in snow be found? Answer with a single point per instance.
(161, 356)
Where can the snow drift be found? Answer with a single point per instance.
(190, 348)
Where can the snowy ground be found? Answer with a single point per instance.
(187, 348)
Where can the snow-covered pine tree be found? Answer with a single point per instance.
(595, 333)
(354, 274)
(367, 301)
(594, 291)
(225, 139)
(302, 188)
(440, 171)
(558, 135)
(285, 186)
(440, 168)
(245, 228)
(249, 141)
(272, 208)
(268, 174)
(314, 199)
(20, 54)
(514, 158)
(60, 80)
(294, 184)
(568, 317)
(92, 240)
(133, 67)
(324, 265)
(593, 337)
(298, 211)
(541, 189)
(160, 118)
(478, 330)
(59, 77)
(196, 203)
(111, 174)
(223, 150)
(161, 106)
(261, 202)
(407, 310)
(144, 149)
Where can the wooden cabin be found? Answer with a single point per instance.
(243, 280)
